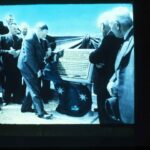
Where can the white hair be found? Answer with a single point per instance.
(103, 18)
(122, 15)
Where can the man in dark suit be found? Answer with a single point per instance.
(3, 30)
(46, 92)
(11, 45)
(103, 59)
(121, 83)
(30, 63)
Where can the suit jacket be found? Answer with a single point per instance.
(8, 41)
(106, 53)
(31, 58)
(124, 76)
(51, 42)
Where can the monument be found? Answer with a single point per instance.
(74, 66)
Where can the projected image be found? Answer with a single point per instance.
(66, 64)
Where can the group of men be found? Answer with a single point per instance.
(113, 66)
(21, 62)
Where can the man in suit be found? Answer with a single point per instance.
(11, 45)
(103, 59)
(3, 30)
(30, 63)
(46, 92)
(24, 29)
(121, 83)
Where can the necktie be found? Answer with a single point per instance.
(41, 43)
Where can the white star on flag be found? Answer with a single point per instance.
(60, 90)
(83, 97)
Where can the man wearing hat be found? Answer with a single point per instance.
(3, 29)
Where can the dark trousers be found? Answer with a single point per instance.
(45, 90)
(12, 84)
(1, 79)
(103, 116)
(33, 94)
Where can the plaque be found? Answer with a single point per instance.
(75, 65)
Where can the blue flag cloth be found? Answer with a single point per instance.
(74, 99)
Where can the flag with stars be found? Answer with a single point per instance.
(83, 97)
(74, 99)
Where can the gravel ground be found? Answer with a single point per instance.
(11, 114)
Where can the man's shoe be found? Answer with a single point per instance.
(46, 116)
(4, 103)
(45, 113)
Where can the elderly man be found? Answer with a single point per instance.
(103, 59)
(24, 29)
(11, 45)
(121, 83)
(30, 63)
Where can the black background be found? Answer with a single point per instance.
(93, 136)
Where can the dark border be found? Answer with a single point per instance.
(83, 135)
(67, 136)
(63, 1)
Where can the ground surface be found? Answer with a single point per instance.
(11, 114)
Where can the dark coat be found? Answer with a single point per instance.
(51, 42)
(124, 68)
(11, 77)
(3, 29)
(106, 53)
(7, 42)
(32, 55)
(31, 60)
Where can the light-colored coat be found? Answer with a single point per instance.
(124, 74)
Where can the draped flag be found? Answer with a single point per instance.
(74, 98)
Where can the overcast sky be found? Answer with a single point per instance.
(62, 19)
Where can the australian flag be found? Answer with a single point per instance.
(74, 99)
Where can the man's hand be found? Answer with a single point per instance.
(99, 66)
(112, 88)
(61, 53)
(17, 52)
(39, 74)
(49, 52)
(55, 57)
(13, 52)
